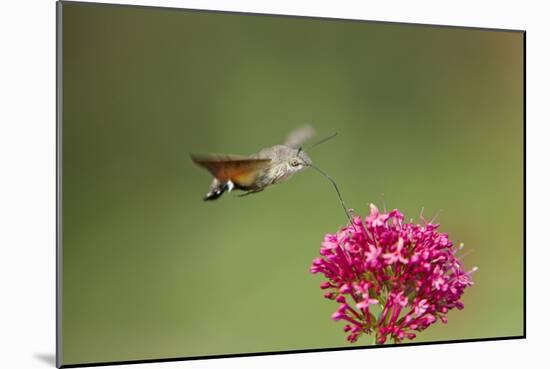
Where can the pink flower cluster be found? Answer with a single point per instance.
(390, 278)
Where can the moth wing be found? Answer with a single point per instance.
(300, 135)
(241, 170)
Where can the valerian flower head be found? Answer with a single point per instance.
(390, 278)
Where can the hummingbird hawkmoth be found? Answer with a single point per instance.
(270, 166)
(254, 173)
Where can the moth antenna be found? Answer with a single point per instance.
(337, 192)
(322, 141)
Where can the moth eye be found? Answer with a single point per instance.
(294, 162)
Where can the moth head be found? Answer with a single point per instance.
(299, 161)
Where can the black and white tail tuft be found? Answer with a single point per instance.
(216, 192)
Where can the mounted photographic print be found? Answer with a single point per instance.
(242, 184)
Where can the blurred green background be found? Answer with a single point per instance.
(427, 117)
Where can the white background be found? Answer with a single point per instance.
(27, 181)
